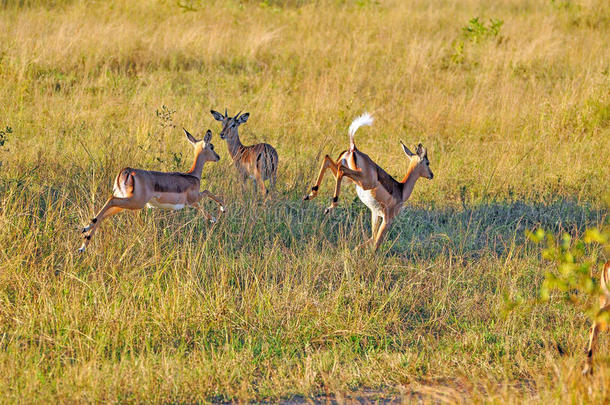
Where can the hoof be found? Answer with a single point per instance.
(332, 206)
(213, 220)
(81, 249)
(307, 197)
(222, 209)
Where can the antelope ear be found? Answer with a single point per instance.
(208, 136)
(217, 116)
(420, 150)
(243, 118)
(190, 137)
(406, 150)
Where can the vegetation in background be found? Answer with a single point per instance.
(578, 267)
(271, 302)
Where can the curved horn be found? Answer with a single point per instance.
(226, 114)
(235, 118)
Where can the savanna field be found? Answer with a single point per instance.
(271, 303)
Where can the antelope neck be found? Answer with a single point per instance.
(197, 166)
(234, 144)
(408, 182)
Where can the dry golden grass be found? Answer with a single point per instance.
(271, 302)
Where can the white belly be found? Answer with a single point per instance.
(153, 203)
(366, 196)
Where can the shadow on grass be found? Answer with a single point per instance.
(487, 228)
(418, 232)
(251, 225)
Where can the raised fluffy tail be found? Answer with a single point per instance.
(364, 119)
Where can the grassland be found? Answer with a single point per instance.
(271, 302)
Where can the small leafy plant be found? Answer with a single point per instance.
(159, 154)
(476, 30)
(577, 267)
(166, 117)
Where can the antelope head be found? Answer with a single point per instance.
(229, 124)
(419, 165)
(204, 149)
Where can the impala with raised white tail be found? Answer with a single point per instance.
(258, 162)
(136, 188)
(379, 191)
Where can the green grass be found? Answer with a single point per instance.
(271, 303)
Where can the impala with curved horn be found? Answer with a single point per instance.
(136, 188)
(259, 162)
(381, 193)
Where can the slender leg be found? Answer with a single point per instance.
(374, 227)
(385, 224)
(356, 176)
(374, 224)
(261, 183)
(333, 204)
(217, 200)
(342, 170)
(254, 191)
(328, 163)
(272, 180)
(209, 217)
(113, 206)
(588, 369)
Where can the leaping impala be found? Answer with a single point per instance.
(136, 188)
(259, 162)
(381, 193)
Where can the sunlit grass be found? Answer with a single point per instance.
(271, 302)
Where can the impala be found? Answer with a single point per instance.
(604, 309)
(136, 188)
(381, 193)
(259, 162)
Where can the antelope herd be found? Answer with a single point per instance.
(381, 193)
